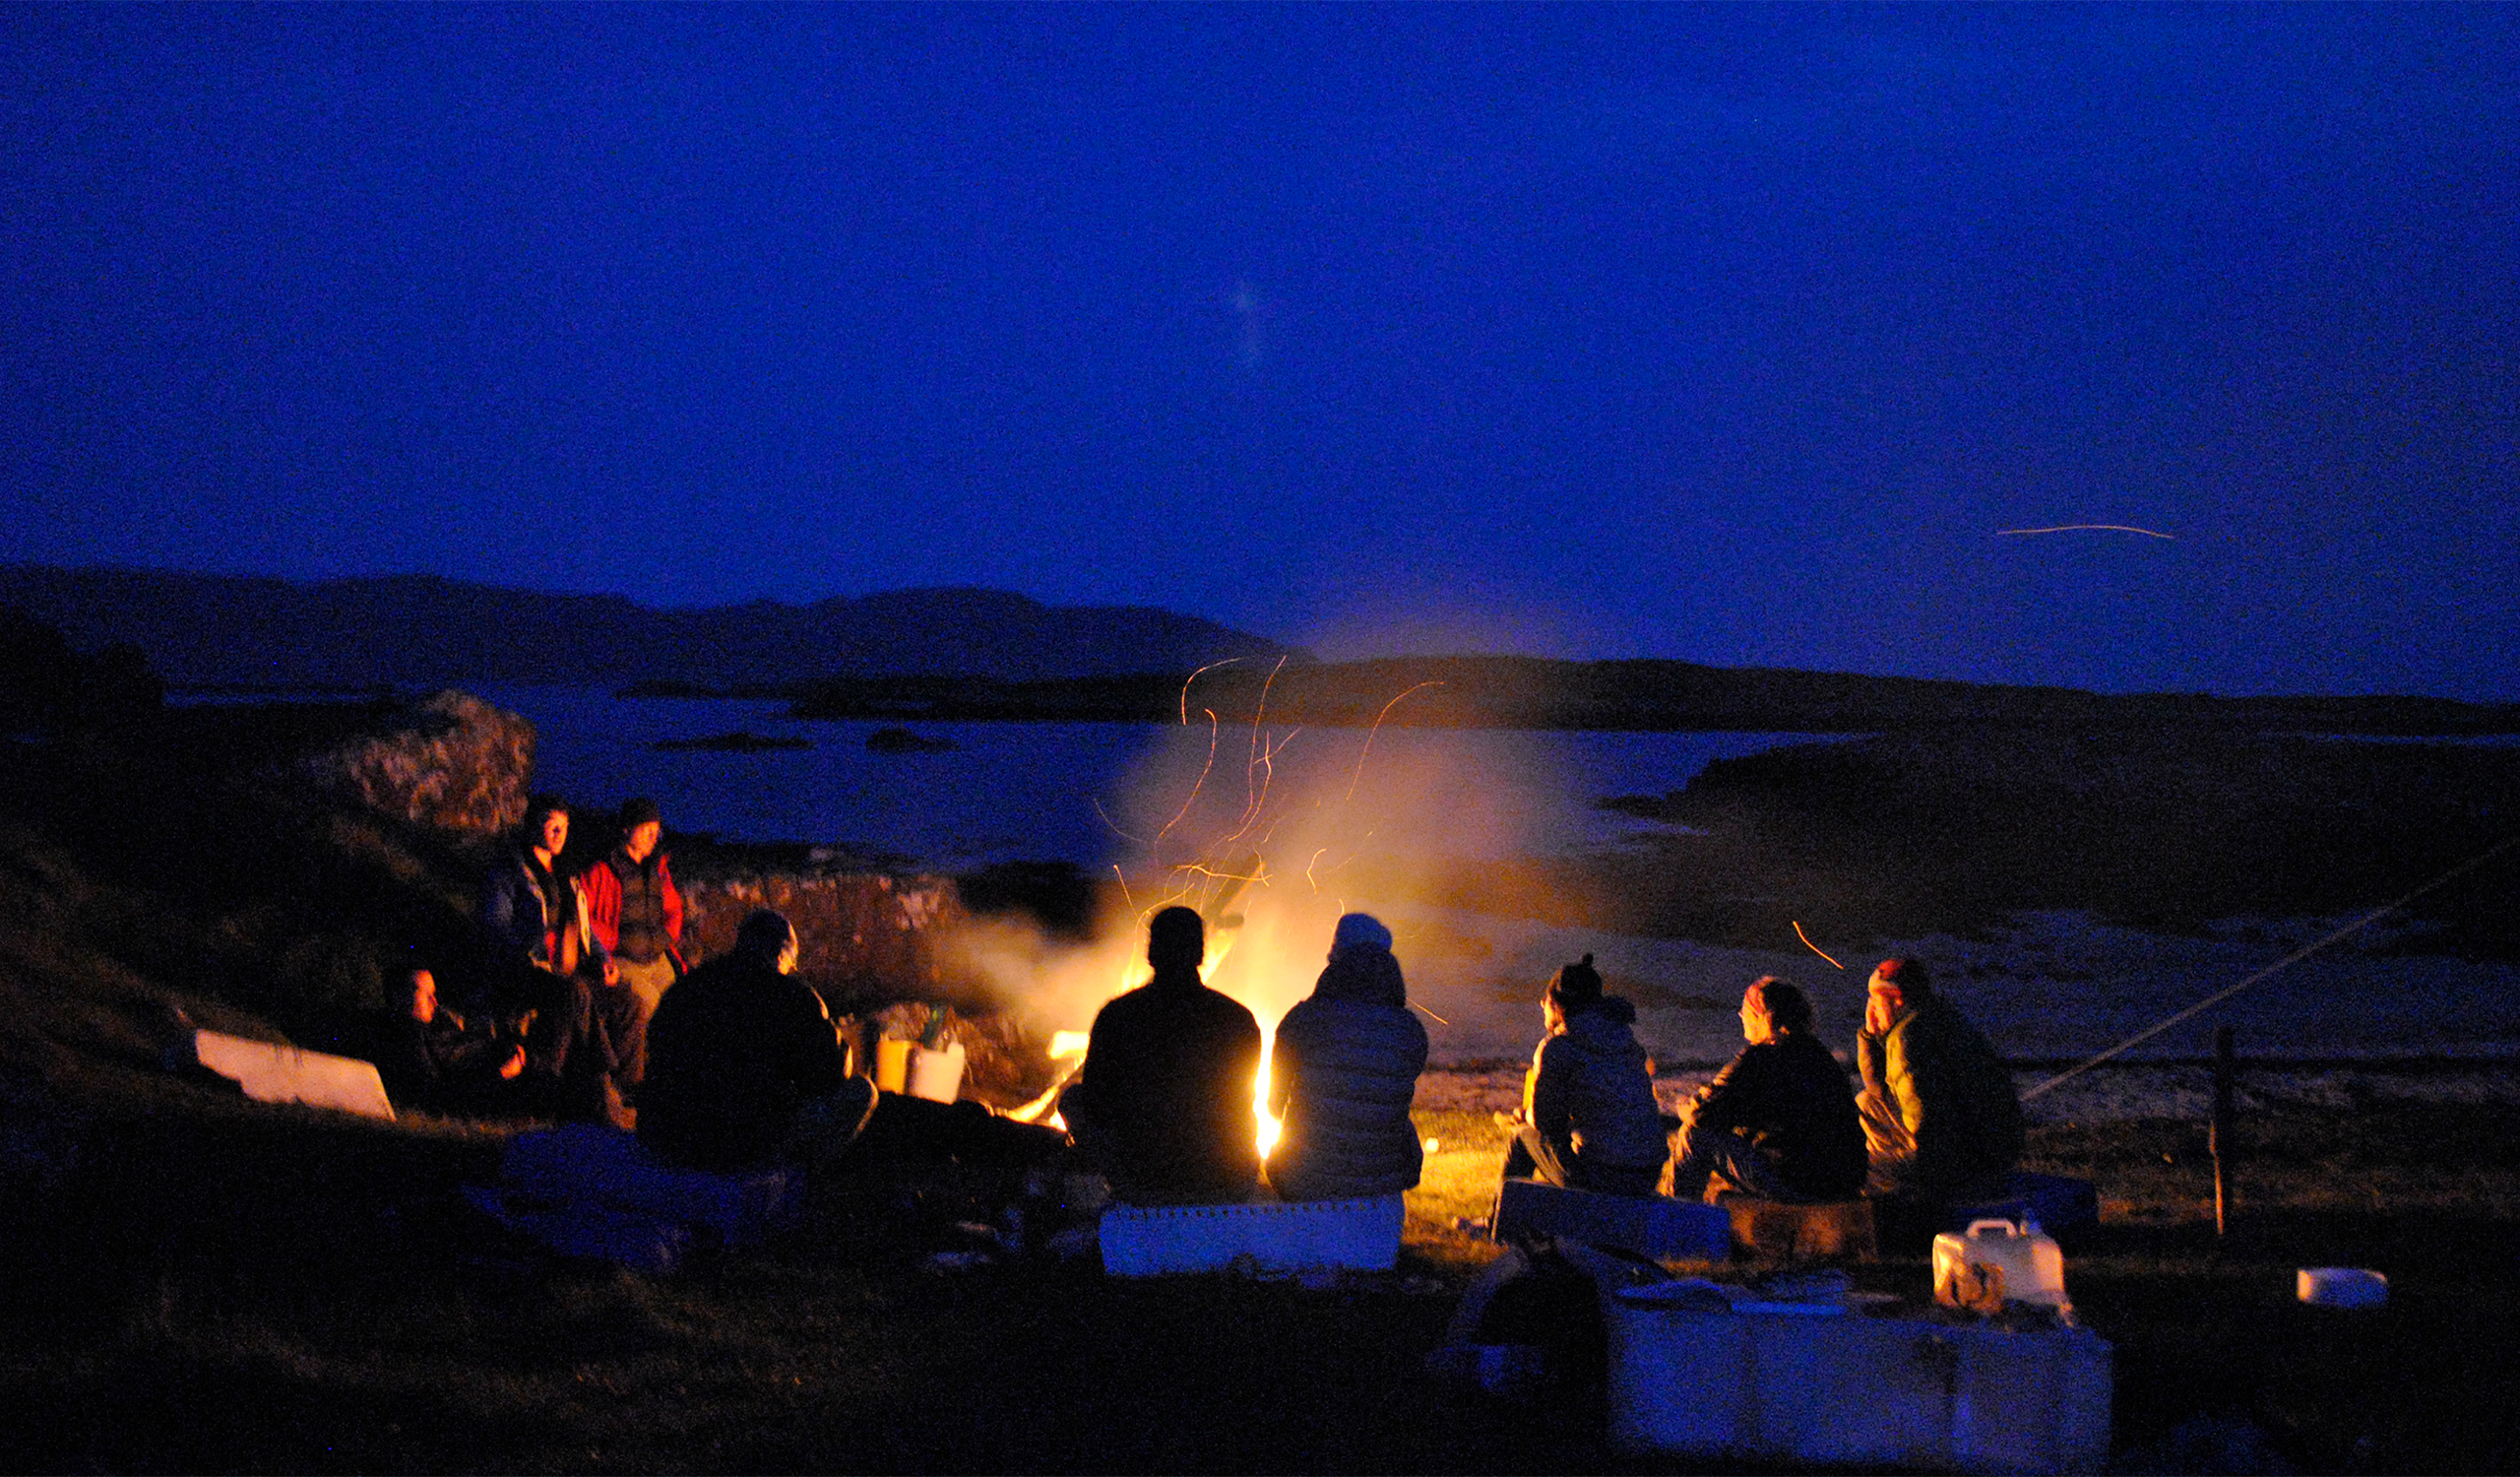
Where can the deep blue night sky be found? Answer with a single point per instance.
(1729, 334)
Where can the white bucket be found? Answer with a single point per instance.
(1998, 1261)
(935, 1075)
(2342, 1287)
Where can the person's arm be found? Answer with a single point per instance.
(673, 900)
(1908, 1073)
(817, 1062)
(1870, 1063)
(1547, 1101)
(604, 904)
(1718, 1104)
(596, 953)
(499, 916)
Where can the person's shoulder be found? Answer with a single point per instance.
(1224, 1007)
(709, 976)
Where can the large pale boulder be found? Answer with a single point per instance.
(455, 763)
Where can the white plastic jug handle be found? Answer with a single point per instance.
(2007, 1227)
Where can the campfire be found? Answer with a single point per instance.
(1262, 869)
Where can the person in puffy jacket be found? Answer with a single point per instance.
(1939, 1112)
(1343, 1073)
(1588, 1118)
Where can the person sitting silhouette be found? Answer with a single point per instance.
(431, 1058)
(1779, 1120)
(744, 1066)
(1162, 1107)
(1344, 1072)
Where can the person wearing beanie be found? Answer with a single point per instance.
(1779, 1120)
(634, 912)
(744, 1066)
(1941, 1120)
(1162, 1107)
(1344, 1072)
(1589, 1119)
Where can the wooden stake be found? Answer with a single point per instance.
(2219, 1138)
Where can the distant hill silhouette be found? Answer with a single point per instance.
(416, 630)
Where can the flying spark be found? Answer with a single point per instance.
(2081, 528)
(1808, 945)
(1369, 738)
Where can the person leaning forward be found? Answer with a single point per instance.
(1940, 1117)
(744, 1066)
(1162, 1107)
(1589, 1119)
(1779, 1120)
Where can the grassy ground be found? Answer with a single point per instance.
(219, 1287)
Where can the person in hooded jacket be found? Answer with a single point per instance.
(1162, 1107)
(1589, 1119)
(1342, 1074)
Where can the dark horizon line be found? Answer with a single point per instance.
(1295, 652)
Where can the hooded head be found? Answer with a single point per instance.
(1176, 943)
(1361, 967)
(1575, 987)
(1359, 930)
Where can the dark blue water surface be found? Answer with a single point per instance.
(1069, 791)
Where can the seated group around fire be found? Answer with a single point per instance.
(1936, 1118)
(577, 1012)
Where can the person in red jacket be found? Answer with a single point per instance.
(634, 913)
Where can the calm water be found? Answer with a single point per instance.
(1069, 791)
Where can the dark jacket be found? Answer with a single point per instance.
(1166, 1085)
(525, 910)
(1790, 1098)
(1953, 1093)
(1589, 1095)
(1342, 1075)
(439, 1066)
(735, 1050)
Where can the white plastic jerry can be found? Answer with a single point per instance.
(1998, 1261)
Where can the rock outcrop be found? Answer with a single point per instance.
(453, 763)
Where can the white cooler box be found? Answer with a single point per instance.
(1854, 1389)
(1361, 1235)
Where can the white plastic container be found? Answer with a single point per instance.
(1997, 1261)
(935, 1075)
(2342, 1287)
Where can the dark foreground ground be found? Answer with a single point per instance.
(248, 1290)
